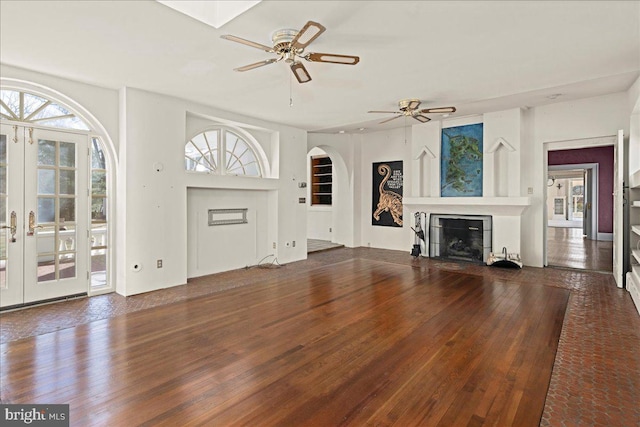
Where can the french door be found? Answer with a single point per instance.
(43, 214)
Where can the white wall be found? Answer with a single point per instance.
(585, 118)
(155, 223)
(342, 217)
(145, 128)
(391, 145)
(319, 217)
(501, 170)
(212, 249)
(319, 223)
(562, 121)
(525, 130)
(425, 179)
(101, 103)
(502, 165)
(633, 103)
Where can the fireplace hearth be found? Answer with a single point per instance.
(460, 237)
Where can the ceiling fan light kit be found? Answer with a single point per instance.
(409, 108)
(289, 45)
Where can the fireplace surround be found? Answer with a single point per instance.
(460, 237)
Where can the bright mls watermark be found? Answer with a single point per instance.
(34, 415)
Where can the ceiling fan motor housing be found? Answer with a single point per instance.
(282, 44)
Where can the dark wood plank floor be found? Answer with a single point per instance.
(353, 343)
(566, 247)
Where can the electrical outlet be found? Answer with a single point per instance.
(293, 243)
(159, 263)
(530, 190)
(330, 230)
(274, 245)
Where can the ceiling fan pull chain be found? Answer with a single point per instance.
(290, 92)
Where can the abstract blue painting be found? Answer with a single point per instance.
(461, 161)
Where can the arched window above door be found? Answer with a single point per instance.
(29, 108)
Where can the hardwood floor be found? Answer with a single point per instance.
(566, 247)
(352, 343)
(316, 245)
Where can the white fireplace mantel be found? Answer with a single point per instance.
(500, 206)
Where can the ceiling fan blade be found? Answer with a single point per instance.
(248, 43)
(385, 112)
(392, 118)
(256, 65)
(332, 58)
(421, 118)
(307, 34)
(300, 72)
(439, 110)
(413, 104)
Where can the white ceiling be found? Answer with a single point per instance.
(478, 56)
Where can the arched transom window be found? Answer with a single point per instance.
(30, 108)
(221, 151)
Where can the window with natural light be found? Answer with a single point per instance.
(221, 151)
(99, 241)
(30, 108)
(24, 107)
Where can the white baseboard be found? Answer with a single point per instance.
(607, 237)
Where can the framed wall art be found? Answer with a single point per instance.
(461, 161)
(387, 194)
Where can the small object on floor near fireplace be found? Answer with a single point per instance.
(504, 259)
(415, 251)
(419, 235)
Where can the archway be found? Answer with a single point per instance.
(334, 222)
(59, 165)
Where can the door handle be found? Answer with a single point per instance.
(32, 224)
(13, 227)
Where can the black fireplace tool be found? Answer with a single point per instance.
(415, 251)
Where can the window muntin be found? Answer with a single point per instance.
(203, 154)
(30, 108)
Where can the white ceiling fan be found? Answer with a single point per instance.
(289, 46)
(409, 108)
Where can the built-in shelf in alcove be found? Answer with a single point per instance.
(505, 206)
(633, 277)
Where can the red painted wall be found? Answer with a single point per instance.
(604, 157)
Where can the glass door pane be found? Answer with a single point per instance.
(11, 214)
(3, 212)
(57, 198)
(56, 189)
(99, 230)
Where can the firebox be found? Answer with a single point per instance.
(460, 237)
